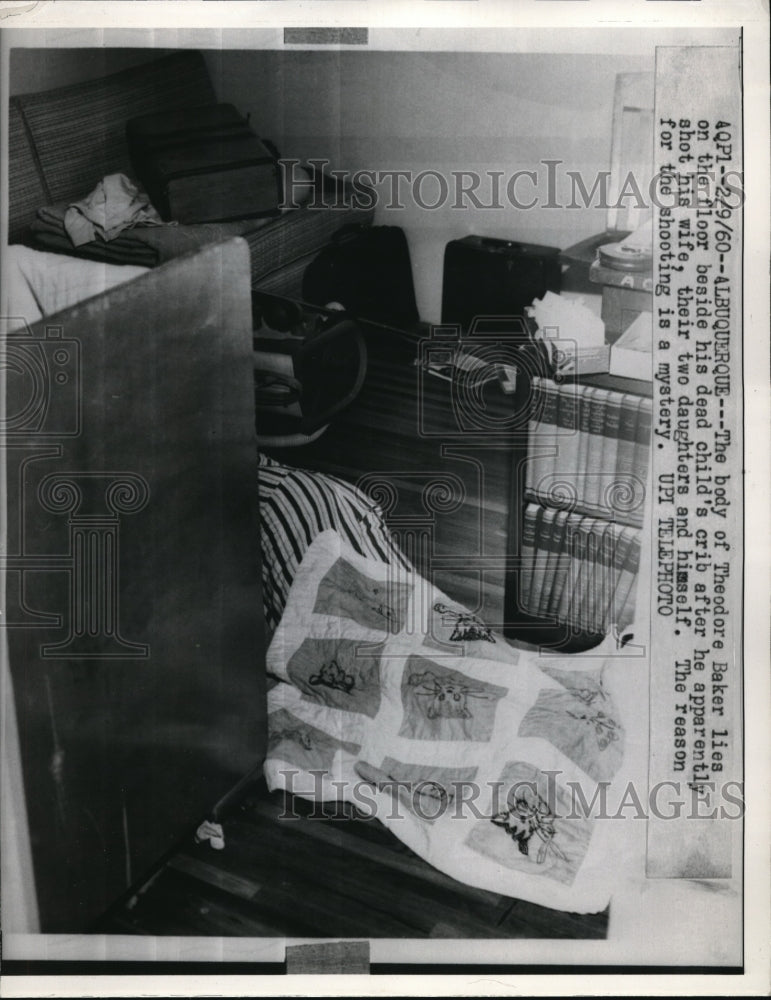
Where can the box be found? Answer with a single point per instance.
(631, 364)
(625, 295)
(570, 359)
(621, 307)
(632, 355)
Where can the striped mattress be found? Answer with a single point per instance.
(296, 506)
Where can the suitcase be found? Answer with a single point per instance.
(204, 164)
(367, 270)
(486, 277)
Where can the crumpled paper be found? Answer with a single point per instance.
(560, 318)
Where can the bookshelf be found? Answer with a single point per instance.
(577, 499)
(410, 432)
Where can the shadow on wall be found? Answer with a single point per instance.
(500, 116)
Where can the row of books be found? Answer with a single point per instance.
(578, 570)
(588, 450)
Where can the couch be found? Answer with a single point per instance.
(63, 141)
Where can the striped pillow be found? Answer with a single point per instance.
(295, 507)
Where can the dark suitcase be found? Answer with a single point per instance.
(204, 165)
(367, 270)
(486, 277)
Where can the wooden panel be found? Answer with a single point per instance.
(133, 572)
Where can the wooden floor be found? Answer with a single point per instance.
(346, 876)
(308, 876)
(392, 440)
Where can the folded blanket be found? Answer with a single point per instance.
(115, 205)
(146, 246)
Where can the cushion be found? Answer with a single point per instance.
(27, 189)
(79, 132)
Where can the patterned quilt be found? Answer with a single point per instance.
(502, 768)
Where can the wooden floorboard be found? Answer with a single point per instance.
(390, 863)
(338, 876)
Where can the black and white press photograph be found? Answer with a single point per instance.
(384, 430)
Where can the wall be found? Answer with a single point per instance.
(444, 111)
(33, 69)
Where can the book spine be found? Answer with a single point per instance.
(620, 556)
(603, 577)
(542, 540)
(608, 493)
(585, 399)
(641, 453)
(571, 593)
(534, 431)
(554, 550)
(587, 578)
(542, 439)
(563, 566)
(594, 467)
(627, 435)
(612, 558)
(564, 480)
(527, 554)
(625, 594)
